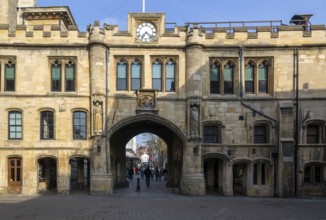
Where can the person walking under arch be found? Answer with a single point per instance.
(147, 174)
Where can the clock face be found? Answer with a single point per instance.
(146, 32)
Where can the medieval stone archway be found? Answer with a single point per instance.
(123, 131)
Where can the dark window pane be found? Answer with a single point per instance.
(313, 134)
(262, 79)
(47, 125)
(56, 77)
(10, 77)
(255, 174)
(79, 125)
(228, 80)
(169, 85)
(18, 174)
(169, 78)
(70, 77)
(215, 80)
(260, 134)
(317, 175)
(135, 84)
(157, 84)
(263, 174)
(249, 79)
(211, 134)
(307, 174)
(122, 84)
(135, 75)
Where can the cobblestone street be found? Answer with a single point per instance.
(157, 202)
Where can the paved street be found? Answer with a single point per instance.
(157, 202)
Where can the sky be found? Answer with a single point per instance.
(115, 12)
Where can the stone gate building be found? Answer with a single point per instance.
(241, 108)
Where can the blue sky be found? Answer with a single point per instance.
(115, 12)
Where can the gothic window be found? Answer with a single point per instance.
(15, 129)
(228, 78)
(215, 79)
(212, 134)
(258, 76)
(47, 125)
(129, 74)
(260, 174)
(157, 75)
(79, 125)
(170, 76)
(316, 132)
(163, 74)
(122, 75)
(222, 78)
(56, 76)
(70, 76)
(63, 74)
(135, 75)
(249, 78)
(260, 134)
(313, 173)
(10, 76)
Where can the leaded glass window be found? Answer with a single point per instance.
(70, 76)
(47, 125)
(211, 134)
(170, 76)
(215, 79)
(10, 76)
(122, 75)
(228, 79)
(79, 125)
(56, 76)
(249, 78)
(313, 134)
(260, 134)
(15, 125)
(135, 75)
(262, 78)
(157, 75)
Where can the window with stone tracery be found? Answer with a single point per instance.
(163, 74)
(129, 73)
(7, 74)
(63, 74)
(222, 76)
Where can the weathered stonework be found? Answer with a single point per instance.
(212, 133)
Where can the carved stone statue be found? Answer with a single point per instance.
(194, 121)
(97, 118)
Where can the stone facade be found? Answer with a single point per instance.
(241, 112)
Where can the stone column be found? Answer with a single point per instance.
(63, 176)
(192, 179)
(101, 179)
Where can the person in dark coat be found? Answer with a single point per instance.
(147, 173)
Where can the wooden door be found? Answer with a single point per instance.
(14, 175)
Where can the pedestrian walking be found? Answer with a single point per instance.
(148, 174)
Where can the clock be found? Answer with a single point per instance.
(146, 32)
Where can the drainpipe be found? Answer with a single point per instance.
(107, 60)
(296, 137)
(277, 126)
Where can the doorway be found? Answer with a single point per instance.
(240, 179)
(47, 174)
(14, 175)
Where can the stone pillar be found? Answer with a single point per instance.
(286, 151)
(63, 176)
(227, 179)
(192, 178)
(101, 178)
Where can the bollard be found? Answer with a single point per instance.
(138, 185)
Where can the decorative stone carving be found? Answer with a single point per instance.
(194, 118)
(97, 101)
(146, 101)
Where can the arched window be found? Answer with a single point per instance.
(122, 75)
(228, 78)
(10, 76)
(135, 75)
(314, 173)
(157, 75)
(263, 77)
(170, 76)
(212, 134)
(249, 78)
(315, 132)
(15, 129)
(79, 125)
(260, 173)
(260, 134)
(70, 76)
(215, 71)
(56, 76)
(47, 125)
